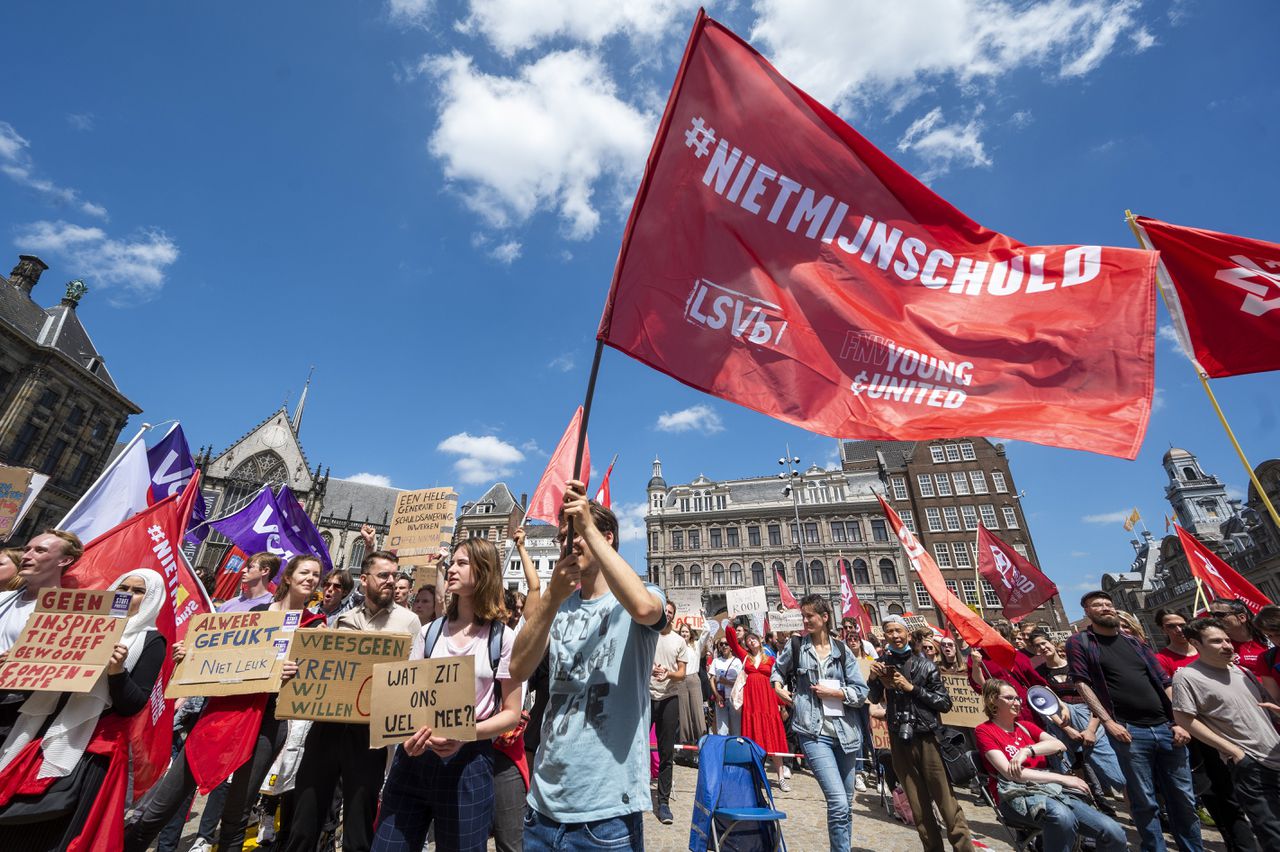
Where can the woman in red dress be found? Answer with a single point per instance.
(761, 718)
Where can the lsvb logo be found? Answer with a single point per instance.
(742, 316)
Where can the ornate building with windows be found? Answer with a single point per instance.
(717, 535)
(490, 518)
(60, 410)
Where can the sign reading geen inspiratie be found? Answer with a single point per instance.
(437, 693)
(67, 642)
(335, 669)
(422, 521)
(234, 653)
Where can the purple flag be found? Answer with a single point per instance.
(260, 526)
(171, 466)
(303, 529)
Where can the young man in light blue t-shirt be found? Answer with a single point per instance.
(589, 785)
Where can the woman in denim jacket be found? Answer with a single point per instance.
(828, 687)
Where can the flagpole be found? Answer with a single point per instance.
(582, 427)
(106, 471)
(1204, 382)
(977, 575)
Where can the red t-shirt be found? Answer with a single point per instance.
(991, 737)
(1251, 656)
(1170, 660)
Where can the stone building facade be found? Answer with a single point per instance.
(491, 516)
(60, 410)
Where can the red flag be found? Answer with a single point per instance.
(1020, 585)
(971, 628)
(1226, 296)
(777, 259)
(850, 605)
(1220, 578)
(603, 496)
(549, 495)
(784, 593)
(228, 582)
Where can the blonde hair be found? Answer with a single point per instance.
(15, 582)
(1134, 626)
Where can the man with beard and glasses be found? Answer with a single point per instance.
(1125, 687)
(336, 750)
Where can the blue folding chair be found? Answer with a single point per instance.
(733, 793)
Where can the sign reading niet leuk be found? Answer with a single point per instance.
(335, 672)
(234, 653)
(67, 642)
(437, 693)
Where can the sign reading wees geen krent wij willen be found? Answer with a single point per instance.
(437, 693)
(335, 672)
(234, 653)
(67, 642)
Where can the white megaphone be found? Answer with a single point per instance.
(1043, 700)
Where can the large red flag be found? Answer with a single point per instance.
(849, 604)
(775, 258)
(784, 592)
(548, 497)
(971, 628)
(1226, 296)
(1020, 585)
(1221, 579)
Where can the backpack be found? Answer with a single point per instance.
(436, 628)
(956, 757)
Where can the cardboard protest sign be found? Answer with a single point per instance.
(439, 693)
(234, 653)
(422, 521)
(966, 704)
(688, 608)
(423, 570)
(789, 620)
(917, 622)
(1057, 637)
(746, 601)
(15, 484)
(335, 668)
(67, 642)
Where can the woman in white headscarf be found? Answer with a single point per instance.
(64, 766)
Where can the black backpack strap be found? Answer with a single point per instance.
(434, 629)
(496, 635)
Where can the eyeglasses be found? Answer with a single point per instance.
(334, 585)
(1012, 699)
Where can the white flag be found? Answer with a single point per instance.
(117, 495)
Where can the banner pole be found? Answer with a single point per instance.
(977, 575)
(1213, 400)
(582, 427)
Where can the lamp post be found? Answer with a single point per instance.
(792, 476)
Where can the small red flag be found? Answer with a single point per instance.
(1226, 296)
(603, 497)
(1020, 585)
(1220, 578)
(784, 593)
(971, 628)
(548, 497)
(228, 582)
(849, 603)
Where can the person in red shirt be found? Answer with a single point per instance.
(1179, 652)
(1015, 752)
(1248, 642)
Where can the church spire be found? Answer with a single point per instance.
(302, 402)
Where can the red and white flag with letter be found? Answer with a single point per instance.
(1219, 577)
(1225, 296)
(548, 497)
(1020, 585)
(850, 606)
(775, 258)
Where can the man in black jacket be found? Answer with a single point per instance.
(913, 695)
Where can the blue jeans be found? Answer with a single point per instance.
(543, 834)
(834, 768)
(1063, 821)
(1152, 759)
(1102, 756)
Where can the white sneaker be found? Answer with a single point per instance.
(783, 786)
(201, 845)
(858, 784)
(786, 771)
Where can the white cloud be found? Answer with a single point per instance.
(631, 526)
(135, 265)
(410, 12)
(1079, 554)
(483, 458)
(941, 145)
(1235, 492)
(1022, 118)
(81, 121)
(1157, 400)
(547, 138)
(899, 55)
(16, 162)
(1116, 517)
(698, 417)
(515, 25)
(506, 252)
(370, 479)
(1143, 39)
(564, 362)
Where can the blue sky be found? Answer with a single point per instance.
(425, 200)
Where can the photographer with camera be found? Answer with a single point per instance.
(913, 694)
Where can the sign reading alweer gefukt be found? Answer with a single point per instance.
(422, 521)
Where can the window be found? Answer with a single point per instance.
(717, 538)
(961, 482)
(735, 574)
(923, 601)
(888, 573)
(970, 516)
(989, 516)
(717, 574)
(952, 588)
(1022, 550)
(861, 575)
(795, 534)
(953, 452)
(1010, 517)
(54, 456)
(908, 519)
(899, 485)
(997, 479)
(753, 536)
(837, 531)
(879, 532)
(677, 539)
(925, 481)
(775, 535)
(944, 485)
(695, 575)
(677, 575)
(81, 469)
(942, 554)
(799, 566)
(936, 453)
(684, 504)
(357, 553)
(979, 481)
(655, 501)
(933, 518)
(757, 573)
(76, 417)
(22, 443)
(779, 570)
(810, 532)
(970, 589)
(853, 529)
(952, 518)
(962, 554)
(653, 540)
(966, 452)
(817, 573)
(720, 501)
(990, 599)
(731, 535)
(48, 399)
(695, 539)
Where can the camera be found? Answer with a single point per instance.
(903, 724)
